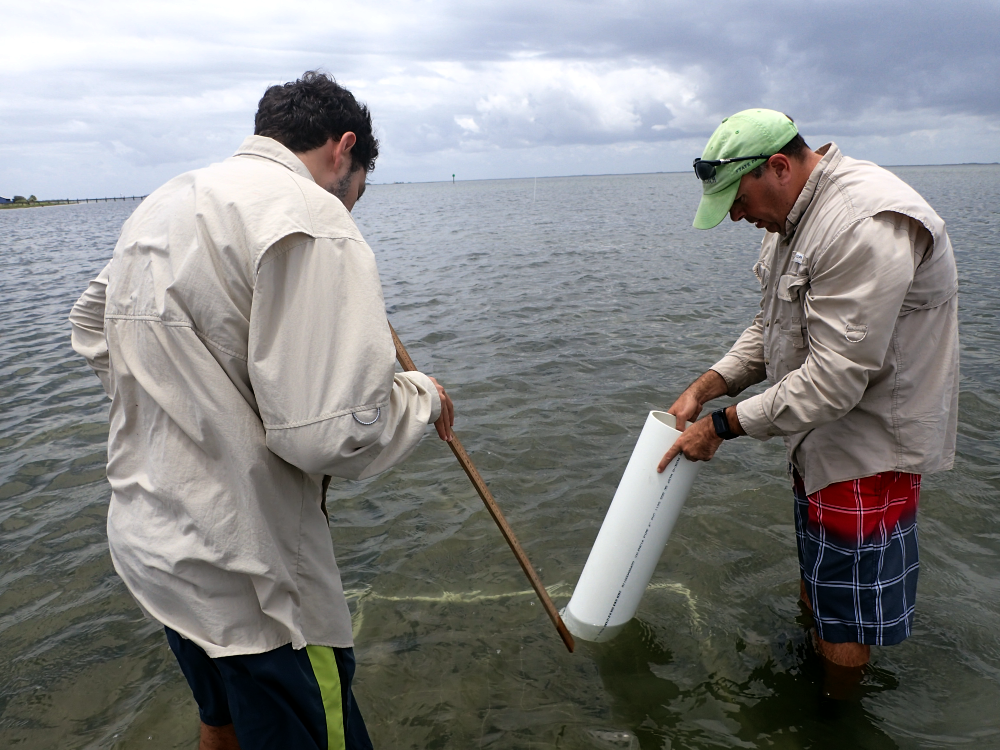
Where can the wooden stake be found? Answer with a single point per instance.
(491, 505)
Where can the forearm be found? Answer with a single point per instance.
(709, 386)
(733, 417)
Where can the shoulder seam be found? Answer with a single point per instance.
(178, 324)
(260, 263)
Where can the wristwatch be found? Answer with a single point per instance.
(721, 423)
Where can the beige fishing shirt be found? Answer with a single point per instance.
(240, 332)
(857, 332)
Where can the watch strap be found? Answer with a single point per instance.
(721, 423)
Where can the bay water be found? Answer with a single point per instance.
(557, 314)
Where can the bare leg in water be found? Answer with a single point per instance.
(843, 663)
(218, 738)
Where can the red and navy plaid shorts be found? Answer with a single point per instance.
(857, 545)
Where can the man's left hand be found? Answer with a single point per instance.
(446, 421)
(698, 443)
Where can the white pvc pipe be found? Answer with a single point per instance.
(633, 535)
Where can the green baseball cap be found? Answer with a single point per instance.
(752, 132)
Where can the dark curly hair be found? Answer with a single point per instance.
(304, 114)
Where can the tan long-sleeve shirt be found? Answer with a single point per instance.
(858, 330)
(240, 331)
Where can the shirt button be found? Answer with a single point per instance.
(767, 361)
(767, 323)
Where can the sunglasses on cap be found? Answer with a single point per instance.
(705, 168)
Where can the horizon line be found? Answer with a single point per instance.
(547, 177)
(683, 171)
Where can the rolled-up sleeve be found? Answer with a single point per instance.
(321, 362)
(857, 286)
(743, 365)
(87, 324)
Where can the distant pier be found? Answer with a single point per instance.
(19, 202)
(64, 201)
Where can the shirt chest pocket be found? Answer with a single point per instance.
(792, 286)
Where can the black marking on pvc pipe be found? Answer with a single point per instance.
(673, 468)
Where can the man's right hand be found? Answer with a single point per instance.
(688, 405)
(686, 409)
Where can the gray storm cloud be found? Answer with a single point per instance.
(118, 97)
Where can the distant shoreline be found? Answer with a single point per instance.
(71, 201)
(37, 204)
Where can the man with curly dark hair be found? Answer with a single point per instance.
(304, 114)
(240, 332)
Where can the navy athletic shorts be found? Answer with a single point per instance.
(279, 699)
(858, 557)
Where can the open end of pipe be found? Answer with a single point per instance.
(668, 419)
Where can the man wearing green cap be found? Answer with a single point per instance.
(857, 337)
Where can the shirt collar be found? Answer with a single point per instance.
(829, 152)
(268, 148)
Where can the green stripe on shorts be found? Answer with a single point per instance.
(324, 665)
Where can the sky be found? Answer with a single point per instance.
(114, 98)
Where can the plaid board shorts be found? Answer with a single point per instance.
(857, 543)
